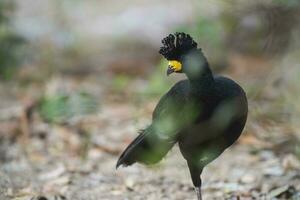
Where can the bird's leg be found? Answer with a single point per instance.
(198, 192)
(195, 175)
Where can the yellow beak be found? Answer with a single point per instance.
(174, 66)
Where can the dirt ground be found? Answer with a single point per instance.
(77, 160)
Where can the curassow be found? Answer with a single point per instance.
(203, 114)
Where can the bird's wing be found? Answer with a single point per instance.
(175, 111)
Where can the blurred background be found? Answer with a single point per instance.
(80, 78)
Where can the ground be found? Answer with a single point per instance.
(77, 160)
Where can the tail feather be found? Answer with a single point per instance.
(124, 157)
(147, 148)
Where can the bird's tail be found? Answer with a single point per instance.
(148, 148)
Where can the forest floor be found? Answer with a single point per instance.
(75, 159)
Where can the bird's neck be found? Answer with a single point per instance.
(203, 82)
(202, 78)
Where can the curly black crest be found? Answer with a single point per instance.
(176, 45)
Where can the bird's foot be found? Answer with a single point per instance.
(198, 192)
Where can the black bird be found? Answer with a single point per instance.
(204, 114)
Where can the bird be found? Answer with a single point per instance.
(204, 114)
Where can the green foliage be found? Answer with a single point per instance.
(10, 42)
(288, 3)
(120, 82)
(55, 109)
(60, 108)
(158, 83)
(210, 30)
(207, 30)
(6, 6)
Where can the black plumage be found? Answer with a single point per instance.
(203, 114)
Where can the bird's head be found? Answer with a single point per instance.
(181, 51)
